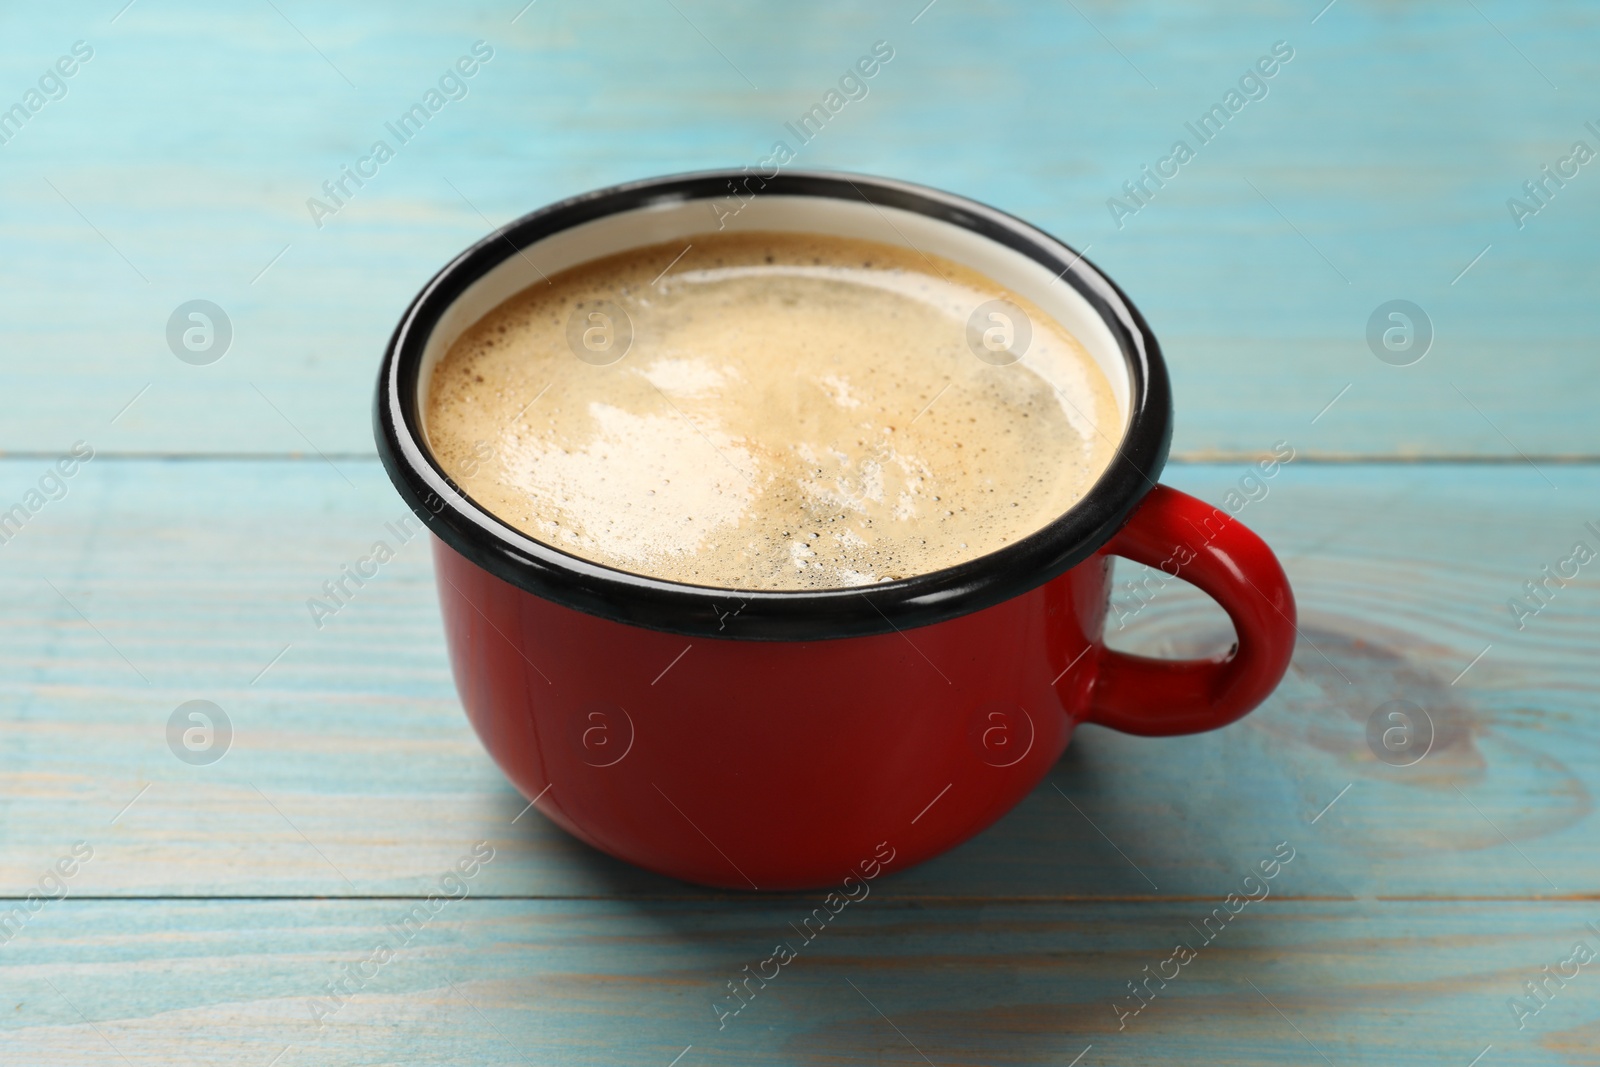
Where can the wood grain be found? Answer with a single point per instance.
(1377, 167)
(612, 983)
(353, 771)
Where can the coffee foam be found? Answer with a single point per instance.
(793, 413)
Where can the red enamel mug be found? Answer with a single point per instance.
(791, 739)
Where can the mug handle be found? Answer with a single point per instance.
(1189, 539)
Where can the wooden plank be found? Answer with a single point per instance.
(352, 769)
(1377, 168)
(587, 982)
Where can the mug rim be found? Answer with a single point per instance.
(782, 614)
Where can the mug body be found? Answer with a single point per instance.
(781, 739)
(772, 764)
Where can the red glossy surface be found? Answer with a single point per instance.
(785, 765)
(1189, 539)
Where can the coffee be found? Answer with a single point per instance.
(771, 411)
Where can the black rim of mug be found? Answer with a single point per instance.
(775, 615)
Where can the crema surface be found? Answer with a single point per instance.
(791, 412)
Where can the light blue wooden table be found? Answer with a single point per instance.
(208, 911)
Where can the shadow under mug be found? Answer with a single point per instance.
(793, 739)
